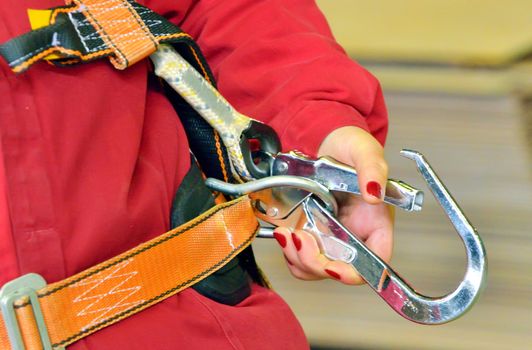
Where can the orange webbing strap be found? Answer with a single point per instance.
(121, 28)
(128, 283)
(86, 30)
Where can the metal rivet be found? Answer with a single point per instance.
(281, 167)
(272, 212)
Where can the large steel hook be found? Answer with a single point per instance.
(385, 281)
(428, 310)
(302, 209)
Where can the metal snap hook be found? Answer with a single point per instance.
(386, 282)
(298, 207)
(453, 305)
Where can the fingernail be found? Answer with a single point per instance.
(288, 260)
(374, 188)
(333, 274)
(297, 241)
(281, 239)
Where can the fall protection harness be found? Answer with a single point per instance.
(284, 189)
(55, 315)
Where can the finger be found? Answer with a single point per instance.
(285, 241)
(309, 257)
(305, 261)
(380, 241)
(356, 147)
(372, 170)
(313, 263)
(299, 273)
(373, 225)
(343, 272)
(284, 238)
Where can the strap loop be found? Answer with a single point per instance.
(85, 30)
(120, 27)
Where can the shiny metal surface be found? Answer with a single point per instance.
(337, 176)
(265, 232)
(338, 243)
(23, 286)
(281, 193)
(386, 282)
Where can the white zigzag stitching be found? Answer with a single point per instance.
(104, 313)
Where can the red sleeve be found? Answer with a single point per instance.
(276, 61)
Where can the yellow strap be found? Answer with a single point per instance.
(132, 281)
(39, 19)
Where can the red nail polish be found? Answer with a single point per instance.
(374, 189)
(333, 274)
(297, 241)
(281, 239)
(288, 261)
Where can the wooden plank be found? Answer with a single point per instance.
(516, 78)
(476, 32)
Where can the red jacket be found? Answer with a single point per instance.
(92, 156)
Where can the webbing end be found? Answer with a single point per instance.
(24, 286)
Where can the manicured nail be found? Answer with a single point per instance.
(281, 239)
(333, 274)
(288, 260)
(374, 189)
(297, 241)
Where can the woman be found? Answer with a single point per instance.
(92, 158)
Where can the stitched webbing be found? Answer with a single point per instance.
(122, 29)
(74, 37)
(86, 30)
(124, 285)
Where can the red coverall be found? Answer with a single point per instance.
(91, 157)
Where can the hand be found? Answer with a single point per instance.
(367, 216)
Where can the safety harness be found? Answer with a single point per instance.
(282, 189)
(36, 315)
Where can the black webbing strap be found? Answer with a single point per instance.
(76, 36)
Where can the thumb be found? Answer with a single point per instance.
(357, 148)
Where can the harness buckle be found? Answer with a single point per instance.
(24, 286)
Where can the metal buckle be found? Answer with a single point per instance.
(26, 285)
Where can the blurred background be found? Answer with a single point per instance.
(457, 75)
